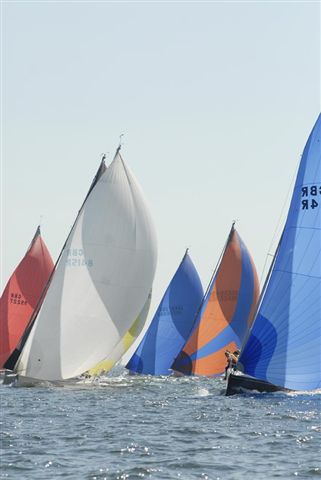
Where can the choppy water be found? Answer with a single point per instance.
(129, 427)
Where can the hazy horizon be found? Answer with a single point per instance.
(216, 101)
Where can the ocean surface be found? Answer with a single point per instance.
(133, 427)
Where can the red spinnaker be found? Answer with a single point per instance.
(22, 294)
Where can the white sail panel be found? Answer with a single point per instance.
(101, 282)
(125, 343)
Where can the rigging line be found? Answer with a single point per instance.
(280, 216)
(277, 282)
(291, 272)
(281, 276)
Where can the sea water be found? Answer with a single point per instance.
(136, 427)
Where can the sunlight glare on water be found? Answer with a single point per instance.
(132, 427)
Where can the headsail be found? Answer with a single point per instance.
(284, 345)
(226, 312)
(22, 293)
(101, 282)
(172, 323)
(125, 343)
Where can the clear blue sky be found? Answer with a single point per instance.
(216, 101)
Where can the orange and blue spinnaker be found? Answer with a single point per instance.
(225, 315)
(172, 323)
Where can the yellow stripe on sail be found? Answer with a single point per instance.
(132, 334)
(101, 367)
(128, 339)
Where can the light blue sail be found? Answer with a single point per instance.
(284, 345)
(172, 323)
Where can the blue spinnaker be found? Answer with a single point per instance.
(284, 344)
(172, 323)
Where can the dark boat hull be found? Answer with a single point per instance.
(241, 383)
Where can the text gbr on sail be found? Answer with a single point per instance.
(311, 192)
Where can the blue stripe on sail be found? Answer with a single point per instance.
(235, 331)
(172, 323)
(284, 346)
(259, 347)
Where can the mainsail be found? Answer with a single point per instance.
(22, 294)
(172, 323)
(284, 344)
(226, 312)
(101, 281)
(125, 343)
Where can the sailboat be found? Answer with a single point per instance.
(102, 278)
(225, 314)
(283, 347)
(171, 324)
(125, 343)
(22, 294)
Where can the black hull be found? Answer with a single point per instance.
(240, 383)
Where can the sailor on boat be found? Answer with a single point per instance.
(232, 359)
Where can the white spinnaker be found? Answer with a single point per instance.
(101, 281)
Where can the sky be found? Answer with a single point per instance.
(215, 101)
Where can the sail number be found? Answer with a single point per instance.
(75, 258)
(17, 299)
(308, 195)
(171, 310)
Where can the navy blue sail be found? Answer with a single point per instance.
(172, 323)
(284, 344)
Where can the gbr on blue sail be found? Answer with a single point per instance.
(283, 347)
